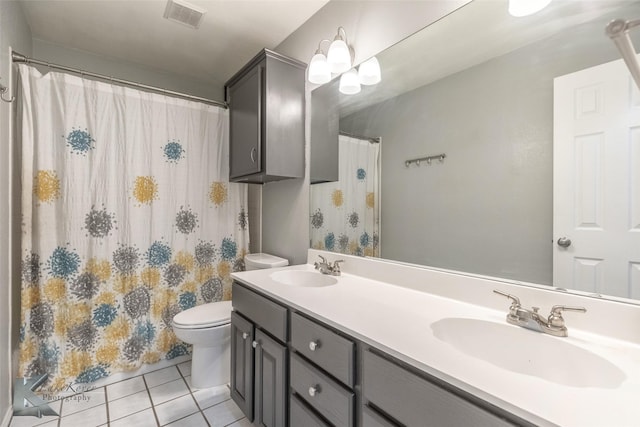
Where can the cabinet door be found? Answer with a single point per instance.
(245, 124)
(270, 385)
(242, 363)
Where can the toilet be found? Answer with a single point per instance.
(259, 261)
(208, 328)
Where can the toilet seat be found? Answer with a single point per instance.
(204, 316)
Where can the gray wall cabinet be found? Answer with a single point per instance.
(302, 373)
(324, 157)
(266, 119)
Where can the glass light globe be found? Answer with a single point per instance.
(349, 82)
(526, 7)
(339, 57)
(319, 71)
(369, 72)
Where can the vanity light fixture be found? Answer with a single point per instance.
(339, 56)
(350, 82)
(319, 69)
(369, 72)
(526, 7)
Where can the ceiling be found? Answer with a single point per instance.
(232, 31)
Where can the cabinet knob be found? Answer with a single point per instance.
(255, 344)
(253, 154)
(245, 335)
(313, 390)
(313, 345)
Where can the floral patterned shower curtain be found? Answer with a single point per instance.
(128, 219)
(345, 213)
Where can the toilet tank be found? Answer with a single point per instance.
(262, 260)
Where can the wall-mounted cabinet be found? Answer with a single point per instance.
(266, 119)
(324, 157)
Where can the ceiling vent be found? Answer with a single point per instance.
(184, 13)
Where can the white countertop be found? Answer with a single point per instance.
(397, 319)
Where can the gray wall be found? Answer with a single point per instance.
(370, 27)
(15, 33)
(488, 208)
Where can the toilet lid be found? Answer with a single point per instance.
(205, 315)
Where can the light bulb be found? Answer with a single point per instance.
(339, 57)
(526, 7)
(349, 82)
(319, 71)
(369, 72)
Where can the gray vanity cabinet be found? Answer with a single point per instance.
(266, 119)
(411, 400)
(259, 357)
(289, 369)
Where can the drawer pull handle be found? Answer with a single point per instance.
(313, 345)
(314, 390)
(255, 344)
(245, 335)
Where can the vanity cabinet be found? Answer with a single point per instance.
(290, 369)
(266, 119)
(393, 395)
(259, 364)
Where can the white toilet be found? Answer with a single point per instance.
(208, 328)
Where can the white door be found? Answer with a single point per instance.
(596, 194)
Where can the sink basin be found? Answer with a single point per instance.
(302, 278)
(528, 352)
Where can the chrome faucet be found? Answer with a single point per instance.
(325, 267)
(531, 319)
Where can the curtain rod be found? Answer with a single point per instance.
(19, 58)
(618, 31)
(375, 140)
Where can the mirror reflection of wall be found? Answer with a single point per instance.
(488, 209)
(345, 213)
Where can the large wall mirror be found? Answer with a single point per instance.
(536, 154)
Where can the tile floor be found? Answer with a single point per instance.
(159, 398)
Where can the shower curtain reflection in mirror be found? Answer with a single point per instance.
(127, 219)
(345, 214)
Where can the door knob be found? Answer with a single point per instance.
(564, 242)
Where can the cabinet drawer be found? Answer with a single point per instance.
(328, 397)
(414, 401)
(372, 419)
(300, 415)
(268, 315)
(325, 348)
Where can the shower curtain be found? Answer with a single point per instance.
(345, 213)
(128, 219)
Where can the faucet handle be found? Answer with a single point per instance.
(323, 259)
(515, 301)
(336, 265)
(556, 319)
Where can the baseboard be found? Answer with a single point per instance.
(7, 417)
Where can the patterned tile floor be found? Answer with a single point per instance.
(159, 398)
